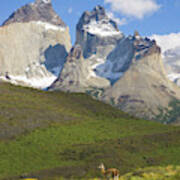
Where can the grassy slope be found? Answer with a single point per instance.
(48, 134)
(154, 173)
(150, 173)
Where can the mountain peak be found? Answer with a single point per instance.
(145, 47)
(97, 22)
(43, 1)
(99, 13)
(40, 10)
(136, 34)
(99, 7)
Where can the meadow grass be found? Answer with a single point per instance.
(56, 134)
(152, 173)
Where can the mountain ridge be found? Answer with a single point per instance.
(127, 72)
(95, 49)
(39, 51)
(132, 65)
(40, 10)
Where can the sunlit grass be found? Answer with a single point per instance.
(69, 135)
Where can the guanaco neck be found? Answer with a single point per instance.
(103, 170)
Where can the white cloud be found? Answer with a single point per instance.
(169, 41)
(117, 20)
(70, 10)
(133, 8)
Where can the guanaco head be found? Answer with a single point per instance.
(101, 166)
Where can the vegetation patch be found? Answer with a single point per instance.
(154, 173)
(48, 135)
(171, 114)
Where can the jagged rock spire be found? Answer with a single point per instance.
(43, 1)
(97, 14)
(75, 53)
(40, 10)
(96, 32)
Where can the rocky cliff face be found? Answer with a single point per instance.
(126, 72)
(170, 45)
(77, 74)
(40, 10)
(144, 88)
(96, 35)
(35, 56)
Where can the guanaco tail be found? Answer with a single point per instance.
(111, 172)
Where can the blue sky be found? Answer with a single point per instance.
(147, 16)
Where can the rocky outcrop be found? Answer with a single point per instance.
(126, 72)
(34, 46)
(77, 74)
(40, 10)
(170, 45)
(96, 35)
(144, 88)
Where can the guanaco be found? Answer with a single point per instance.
(109, 173)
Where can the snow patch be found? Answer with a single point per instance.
(101, 28)
(49, 26)
(103, 68)
(174, 76)
(46, 1)
(35, 76)
(37, 83)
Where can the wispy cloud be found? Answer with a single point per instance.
(169, 41)
(70, 10)
(133, 8)
(117, 20)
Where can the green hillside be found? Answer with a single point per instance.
(154, 173)
(55, 134)
(150, 173)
